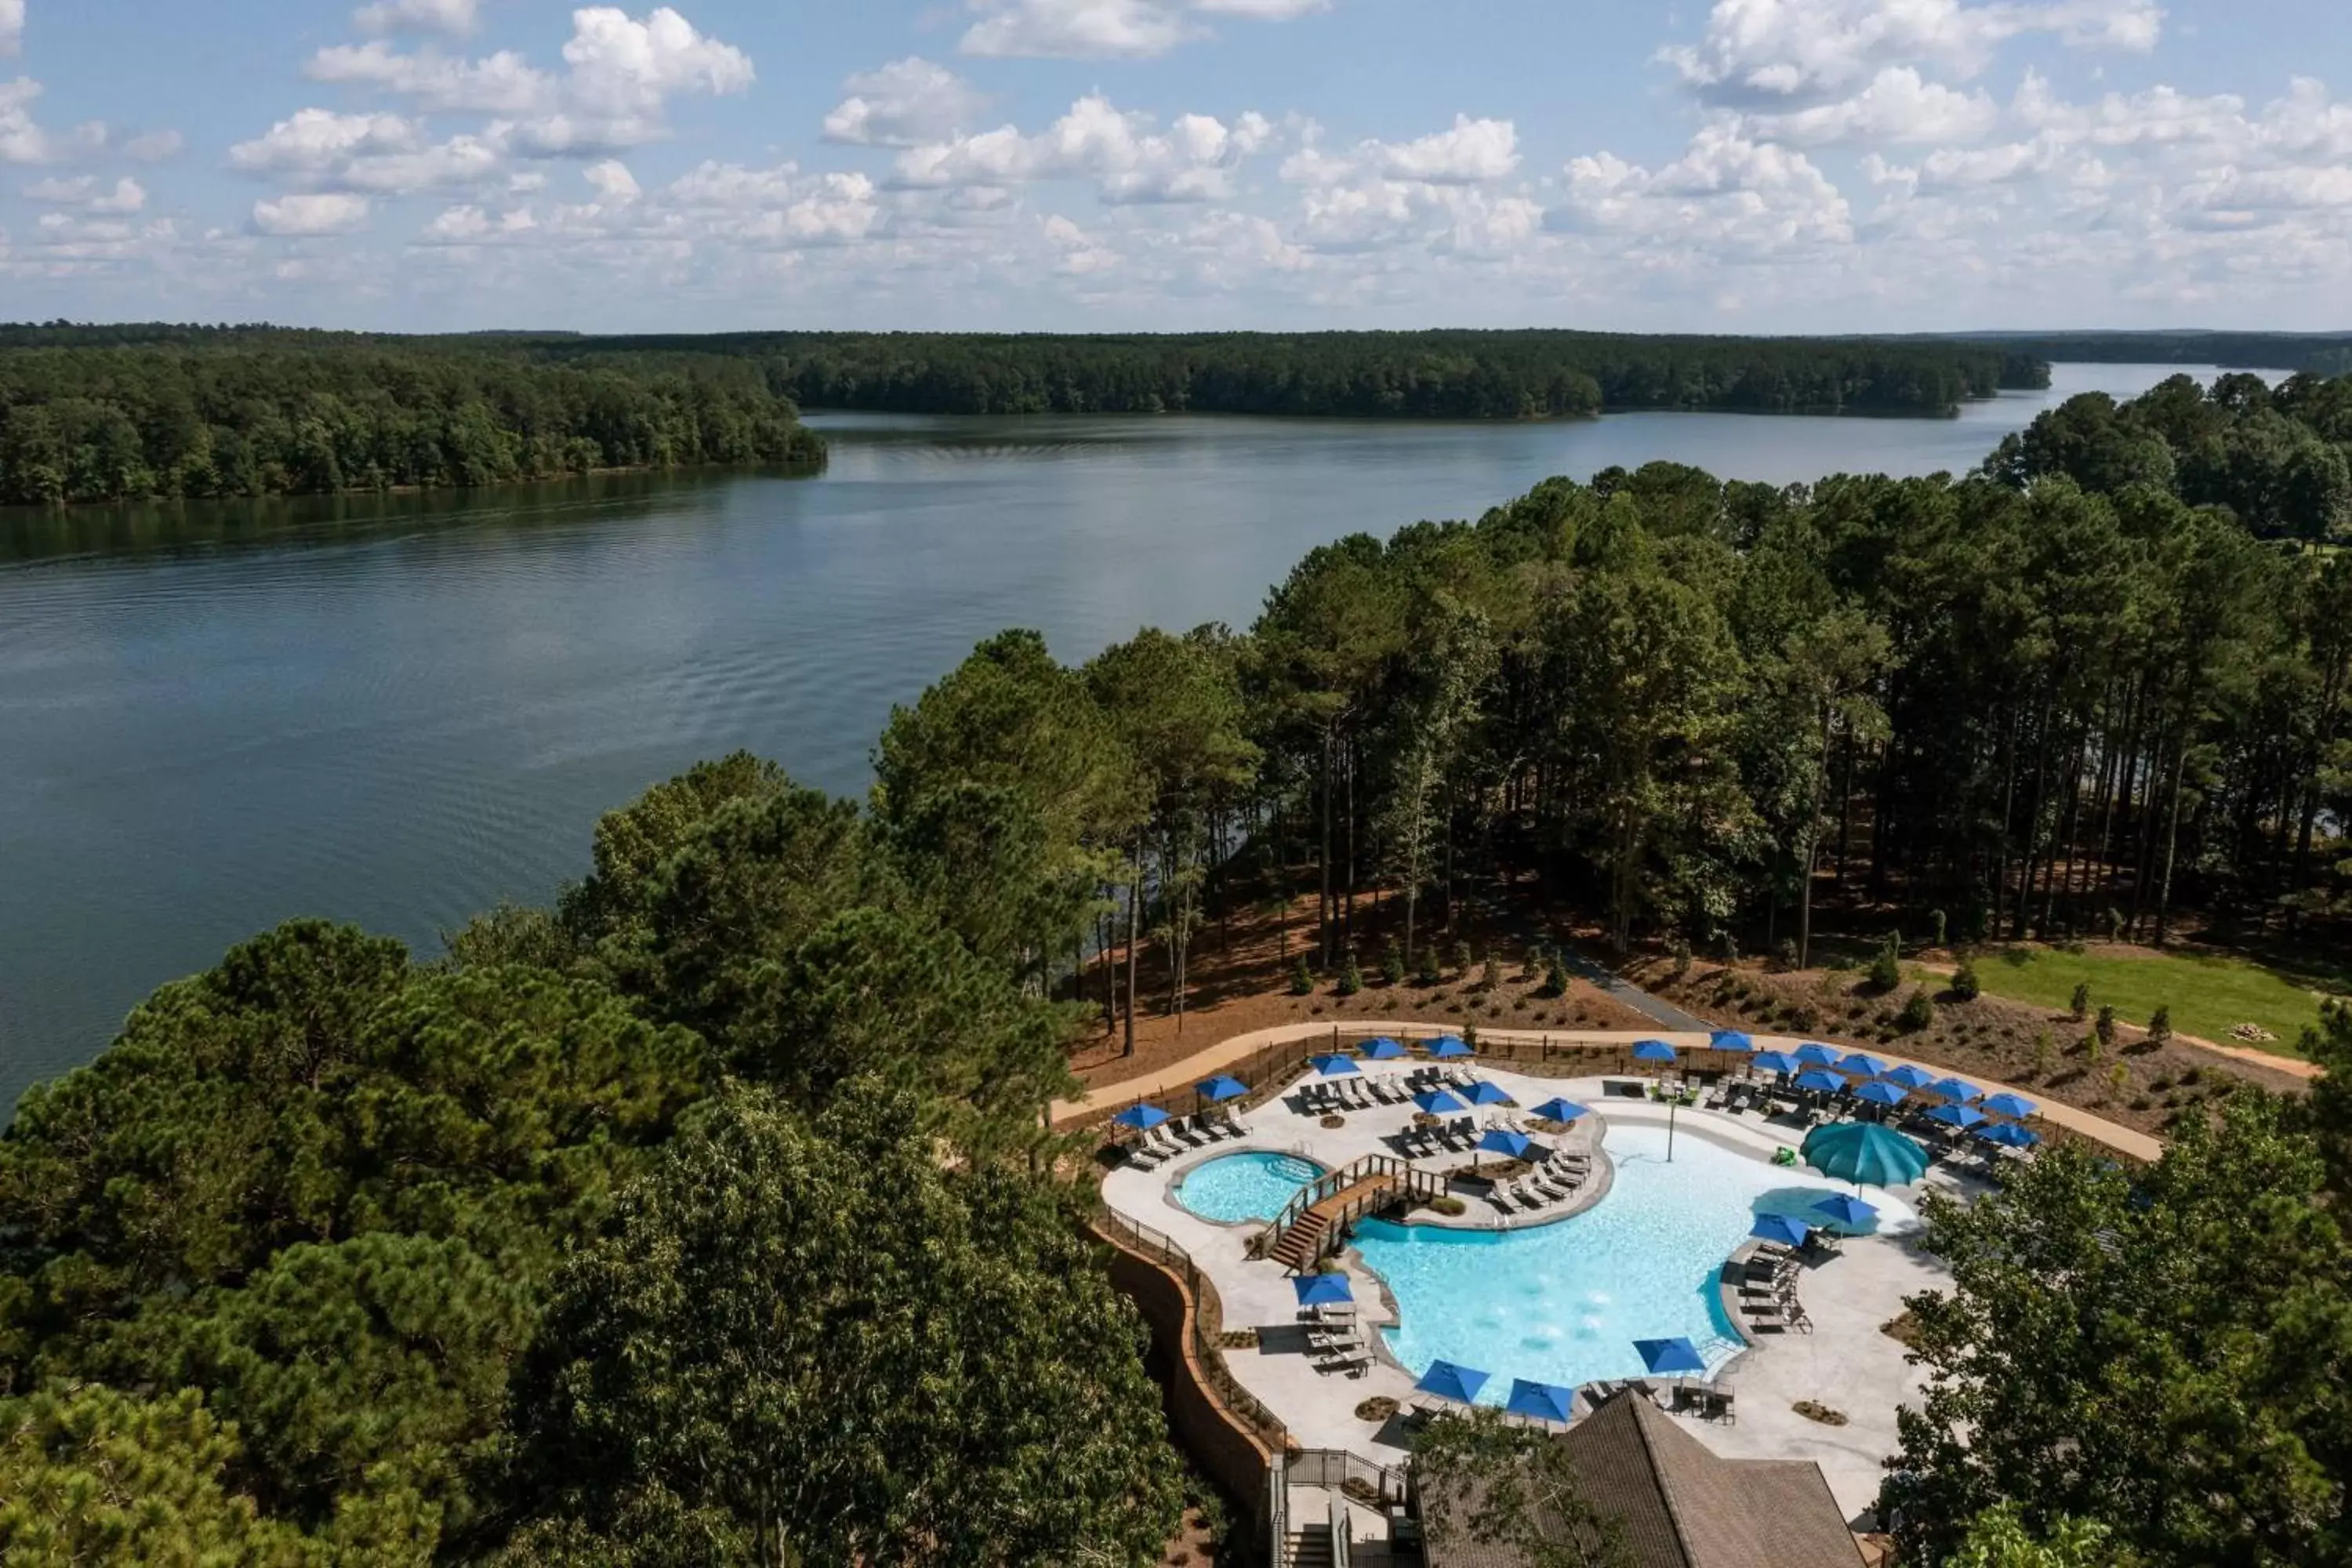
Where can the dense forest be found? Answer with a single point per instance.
(705, 1217)
(1435, 374)
(2323, 353)
(694, 394)
(286, 414)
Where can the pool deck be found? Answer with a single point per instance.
(1845, 1364)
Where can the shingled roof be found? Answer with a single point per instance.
(1684, 1506)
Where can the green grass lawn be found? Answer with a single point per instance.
(2210, 995)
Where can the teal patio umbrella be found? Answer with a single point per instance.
(1864, 1153)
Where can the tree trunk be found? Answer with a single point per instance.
(1812, 846)
(2171, 838)
(1134, 943)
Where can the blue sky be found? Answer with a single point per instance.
(1744, 166)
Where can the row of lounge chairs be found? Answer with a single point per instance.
(1459, 1136)
(1181, 1136)
(1702, 1400)
(1363, 1093)
(1435, 1076)
(1336, 1341)
(1557, 1177)
(1768, 1292)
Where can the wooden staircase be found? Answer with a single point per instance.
(1323, 1208)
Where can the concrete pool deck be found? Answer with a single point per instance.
(1845, 1364)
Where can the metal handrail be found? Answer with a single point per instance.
(1278, 1514)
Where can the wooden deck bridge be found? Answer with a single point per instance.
(1321, 1211)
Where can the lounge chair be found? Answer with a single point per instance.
(1354, 1364)
(1500, 1197)
(1142, 1157)
(1716, 1404)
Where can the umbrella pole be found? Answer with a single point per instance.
(1670, 1132)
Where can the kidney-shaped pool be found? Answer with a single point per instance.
(1564, 1302)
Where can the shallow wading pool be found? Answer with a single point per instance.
(1233, 1189)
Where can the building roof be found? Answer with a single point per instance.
(1684, 1506)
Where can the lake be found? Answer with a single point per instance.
(398, 712)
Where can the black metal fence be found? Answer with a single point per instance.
(1208, 1322)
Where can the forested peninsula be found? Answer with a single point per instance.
(706, 1216)
(1431, 376)
(125, 415)
(136, 411)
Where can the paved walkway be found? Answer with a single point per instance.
(1179, 1075)
(1621, 990)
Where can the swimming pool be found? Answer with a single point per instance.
(1234, 1188)
(1564, 1302)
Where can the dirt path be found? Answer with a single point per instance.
(1183, 1075)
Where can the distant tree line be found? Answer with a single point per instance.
(2323, 354)
(289, 413)
(1434, 374)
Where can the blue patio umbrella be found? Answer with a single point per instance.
(1449, 1048)
(1729, 1040)
(1780, 1228)
(1668, 1357)
(1653, 1051)
(1439, 1102)
(2015, 1106)
(1814, 1053)
(1819, 1083)
(1142, 1118)
(1864, 1151)
(1876, 1093)
(1861, 1066)
(1323, 1289)
(1958, 1089)
(2008, 1135)
(1560, 1111)
(1773, 1061)
(1383, 1050)
(1840, 1208)
(1336, 1065)
(1481, 1092)
(1542, 1401)
(1502, 1141)
(1218, 1089)
(1956, 1115)
(1448, 1380)
(1911, 1077)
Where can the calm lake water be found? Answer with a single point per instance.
(399, 711)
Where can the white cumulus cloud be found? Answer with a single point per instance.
(903, 104)
(310, 214)
(12, 27)
(458, 18)
(1192, 160)
(89, 193)
(1792, 51)
(1109, 29)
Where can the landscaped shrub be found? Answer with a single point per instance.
(1302, 979)
(2159, 1027)
(2081, 1005)
(1681, 954)
(1964, 984)
(1886, 969)
(2106, 1026)
(1788, 954)
(1464, 961)
(1393, 964)
(1936, 925)
(1447, 1205)
(1917, 1014)
(1490, 977)
(1351, 979)
(1426, 971)
(1555, 978)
